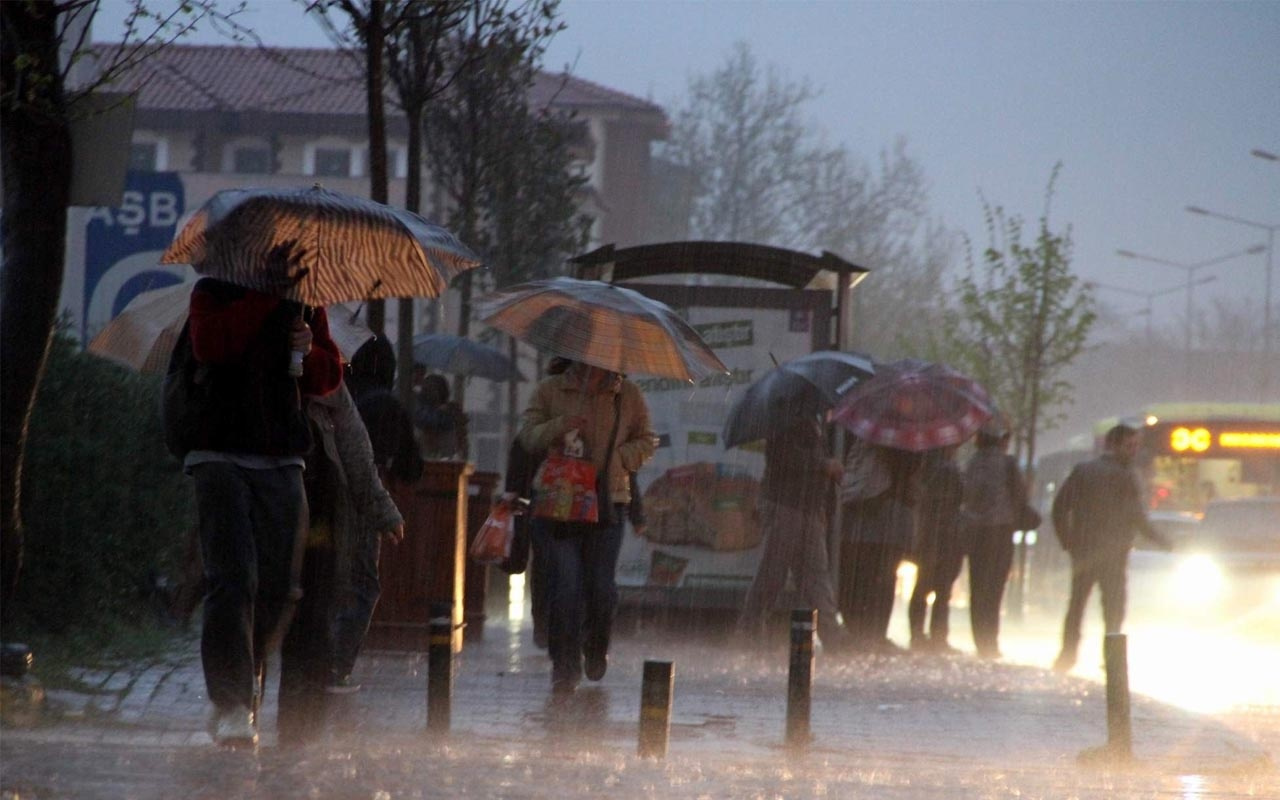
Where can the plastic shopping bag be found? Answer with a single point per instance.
(492, 544)
(564, 490)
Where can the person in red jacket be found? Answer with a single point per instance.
(246, 463)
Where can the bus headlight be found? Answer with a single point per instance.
(1199, 579)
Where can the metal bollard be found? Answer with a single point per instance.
(800, 677)
(440, 668)
(655, 708)
(1119, 722)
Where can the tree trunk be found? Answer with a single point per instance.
(373, 53)
(36, 153)
(412, 202)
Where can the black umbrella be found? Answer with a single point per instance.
(807, 385)
(443, 352)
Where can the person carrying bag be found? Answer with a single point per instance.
(596, 418)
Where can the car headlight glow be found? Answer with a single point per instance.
(1199, 579)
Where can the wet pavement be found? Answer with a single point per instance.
(884, 726)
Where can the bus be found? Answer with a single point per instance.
(1193, 453)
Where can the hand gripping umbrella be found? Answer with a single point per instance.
(603, 325)
(319, 247)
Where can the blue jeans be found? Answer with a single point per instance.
(583, 598)
(354, 611)
(251, 521)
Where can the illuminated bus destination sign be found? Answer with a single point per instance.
(1196, 440)
(1249, 440)
(1186, 439)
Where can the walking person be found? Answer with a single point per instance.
(878, 531)
(993, 496)
(246, 462)
(371, 376)
(798, 481)
(1096, 516)
(609, 415)
(939, 550)
(348, 505)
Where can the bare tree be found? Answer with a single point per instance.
(36, 108)
(471, 138)
(760, 173)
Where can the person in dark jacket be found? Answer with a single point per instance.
(1096, 515)
(246, 464)
(798, 477)
(939, 550)
(371, 375)
(878, 531)
(441, 422)
(993, 495)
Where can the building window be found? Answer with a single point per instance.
(333, 162)
(143, 156)
(251, 161)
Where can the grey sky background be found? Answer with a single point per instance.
(1150, 106)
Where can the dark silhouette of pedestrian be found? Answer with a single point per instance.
(939, 550)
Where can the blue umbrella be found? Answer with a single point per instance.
(443, 352)
(806, 385)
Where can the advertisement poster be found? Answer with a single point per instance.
(123, 246)
(702, 537)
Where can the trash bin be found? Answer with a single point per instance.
(428, 566)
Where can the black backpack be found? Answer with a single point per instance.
(185, 396)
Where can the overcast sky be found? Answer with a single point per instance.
(1150, 106)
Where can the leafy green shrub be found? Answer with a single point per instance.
(104, 504)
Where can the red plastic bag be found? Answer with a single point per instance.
(492, 544)
(564, 490)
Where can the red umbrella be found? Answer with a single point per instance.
(915, 405)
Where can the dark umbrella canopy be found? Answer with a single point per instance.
(443, 352)
(915, 405)
(805, 386)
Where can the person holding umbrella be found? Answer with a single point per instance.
(798, 480)
(246, 463)
(608, 413)
(908, 407)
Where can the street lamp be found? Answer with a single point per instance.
(1190, 285)
(1268, 333)
(1149, 296)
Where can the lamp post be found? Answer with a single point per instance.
(1149, 296)
(1268, 333)
(1191, 283)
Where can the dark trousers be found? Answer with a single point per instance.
(251, 521)
(355, 610)
(1107, 569)
(538, 599)
(936, 576)
(304, 653)
(868, 580)
(990, 558)
(582, 595)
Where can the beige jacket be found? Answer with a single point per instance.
(558, 398)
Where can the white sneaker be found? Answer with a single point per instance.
(233, 727)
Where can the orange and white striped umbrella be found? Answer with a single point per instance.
(603, 325)
(143, 335)
(319, 247)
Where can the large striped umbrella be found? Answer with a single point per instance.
(319, 247)
(143, 335)
(603, 325)
(914, 405)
